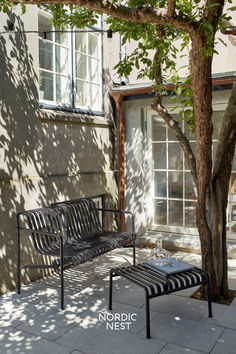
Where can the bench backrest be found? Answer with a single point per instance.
(80, 218)
(48, 220)
(76, 219)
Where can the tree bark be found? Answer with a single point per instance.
(212, 188)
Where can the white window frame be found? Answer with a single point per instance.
(72, 73)
(220, 106)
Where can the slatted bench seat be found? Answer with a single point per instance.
(156, 284)
(71, 233)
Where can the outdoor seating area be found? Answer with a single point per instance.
(70, 231)
(31, 322)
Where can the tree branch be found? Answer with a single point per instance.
(145, 14)
(168, 118)
(185, 145)
(213, 11)
(171, 8)
(226, 145)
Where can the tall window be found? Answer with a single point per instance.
(70, 67)
(174, 192)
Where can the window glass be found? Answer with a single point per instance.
(160, 212)
(62, 60)
(175, 213)
(159, 155)
(45, 55)
(81, 42)
(69, 59)
(158, 129)
(174, 191)
(93, 45)
(160, 184)
(175, 181)
(46, 86)
(81, 93)
(190, 214)
(175, 156)
(81, 66)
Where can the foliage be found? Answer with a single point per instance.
(174, 43)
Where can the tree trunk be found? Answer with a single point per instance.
(212, 187)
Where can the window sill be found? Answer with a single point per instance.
(44, 114)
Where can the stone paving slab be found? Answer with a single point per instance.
(226, 344)
(183, 332)
(17, 341)
(98, 340)
(174, 349)
(187, 308)
(228, 318)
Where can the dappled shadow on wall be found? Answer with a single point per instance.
(40, 162)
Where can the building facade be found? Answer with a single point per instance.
(60, 135)
(57, 129)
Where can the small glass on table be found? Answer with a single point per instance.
(159, 255)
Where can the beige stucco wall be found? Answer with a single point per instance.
(45, 156)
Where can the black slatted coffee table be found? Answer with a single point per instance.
(156, 283)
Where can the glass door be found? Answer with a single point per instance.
(173, 194)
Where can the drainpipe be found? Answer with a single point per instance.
(118, 98)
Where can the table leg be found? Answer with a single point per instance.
(147, 317)
(110, 291)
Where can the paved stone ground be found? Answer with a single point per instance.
(32, 322)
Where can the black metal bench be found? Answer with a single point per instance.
(156, 284)
(71, 233)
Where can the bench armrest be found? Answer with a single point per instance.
(121, 212)
(40, 232)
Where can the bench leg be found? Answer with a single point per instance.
(148, 335)
(18, 262)
(209, 297)
(110, 290)
(134, 254)
(61, 274)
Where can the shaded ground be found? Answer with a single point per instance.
(32, 322)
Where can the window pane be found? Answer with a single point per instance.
(190, 188)
(61, 38)
(175, 156)
(81, 42)
(62, 60)
(44, 26)
(46, 86)
(217, 122)
(175, 213)
(176, 185)
(45, 55)
(93, 45)
(190, 214)
(81, 66)
(94, 96)
(159, 156)
(62, 89)
(160, 212)
(158, 129)
(190, 135)
(81, 93)
(160, 185)
(93, 70)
